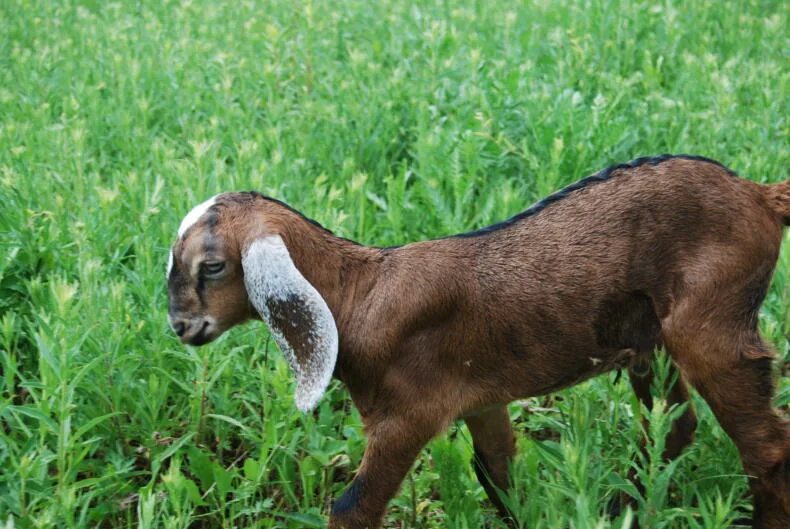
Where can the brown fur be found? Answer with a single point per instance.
(673, 251)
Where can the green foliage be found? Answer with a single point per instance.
(387, 122)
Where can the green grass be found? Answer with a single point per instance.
(387, 122)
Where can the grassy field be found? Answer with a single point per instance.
(387, 122)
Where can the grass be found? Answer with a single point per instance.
(387, 122)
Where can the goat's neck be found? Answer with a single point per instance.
(344, 273)
(340, 270)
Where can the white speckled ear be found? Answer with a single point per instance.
(297, 315)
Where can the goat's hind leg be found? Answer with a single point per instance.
(494, 446)
(642, 376)
(732, 371)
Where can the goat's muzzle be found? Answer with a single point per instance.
(194, 331)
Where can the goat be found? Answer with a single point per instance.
(670, 251)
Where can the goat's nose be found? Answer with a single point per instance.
(180, 327)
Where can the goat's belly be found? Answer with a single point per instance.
(542, 381)
(536, 343)
(618, 336)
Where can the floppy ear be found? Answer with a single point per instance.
(297, 315)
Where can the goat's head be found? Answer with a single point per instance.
(230, 264)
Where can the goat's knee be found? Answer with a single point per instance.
(683, 428)
(347, 505)
(771, 491)
(393, 445)
(682, 434)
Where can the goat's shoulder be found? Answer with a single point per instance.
(419, 285)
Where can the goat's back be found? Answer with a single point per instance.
(576, 287)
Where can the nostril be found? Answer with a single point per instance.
(179, 327)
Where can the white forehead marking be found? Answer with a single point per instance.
(191, 218)
(194, 215)
(270, 274)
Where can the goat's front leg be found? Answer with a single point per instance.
(393, 445)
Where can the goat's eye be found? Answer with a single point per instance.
(212, 268)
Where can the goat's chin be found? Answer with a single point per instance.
(205, 337)
(202, 339)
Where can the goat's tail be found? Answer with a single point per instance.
(778, 196)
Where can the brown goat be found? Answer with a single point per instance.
(672, 251)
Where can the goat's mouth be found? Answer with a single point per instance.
(205, 334)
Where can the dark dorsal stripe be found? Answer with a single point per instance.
(600, 176)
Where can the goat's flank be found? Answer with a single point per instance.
(672, 251)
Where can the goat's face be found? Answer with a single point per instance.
(230, 264)
(205, 278)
